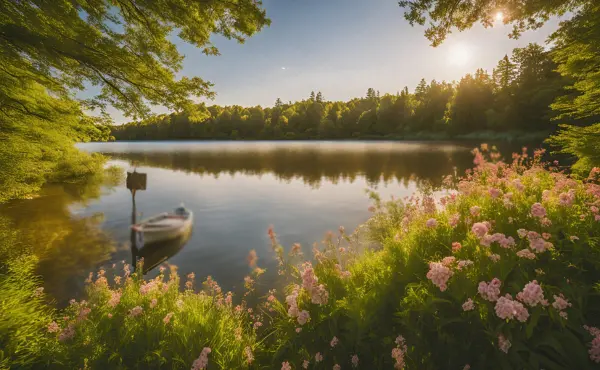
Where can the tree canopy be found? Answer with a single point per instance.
(443, 16)
(122, 49)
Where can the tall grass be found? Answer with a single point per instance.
(502, 272)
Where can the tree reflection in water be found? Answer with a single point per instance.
(312, 164)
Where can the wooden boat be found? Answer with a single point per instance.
(164, 226)
(157, 253)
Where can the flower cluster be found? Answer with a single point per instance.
(491, 291)
(202, 361)
(507, 309)
(439, 274)
(532, 294)
(399, 352)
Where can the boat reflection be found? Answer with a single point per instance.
(156, 253)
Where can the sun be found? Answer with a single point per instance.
(459, 55)
(499, 16)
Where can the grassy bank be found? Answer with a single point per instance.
(503, 273)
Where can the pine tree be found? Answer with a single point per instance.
(312, 96)
(505, 73)
(319, 97)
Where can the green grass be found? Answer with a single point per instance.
(366, 289)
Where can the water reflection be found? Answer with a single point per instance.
(313, 164)
(157, 253)
(67, 244)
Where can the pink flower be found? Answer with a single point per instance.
(594, 350)
(479, 229)
(526, 253)
(53, 327)
(467, 367)
(431, 223)
(318, 357)
(546, 236)
(453, 220)
(67, 333)
(495, 257)
(110, 315)
(463, 263)
(136, 311)
(167, 318)
(563, 314)
(354, 361)
(305, 364)
(546, 222)
(439, 275)
(448, 261)
(303, 317)
(506, 308)
(337, 367)
(560, 303)
(503, 343)
(495, 193)
(538, 210)
(468, 305)
(202, 361)
(334, 342)
(532, 294)
(522, 233)
(320, 295)
(456, 246)
(398, 352)
(298, 330)
(566, 199)
(148, 287)
(257, 325)
(115, 298)
(597, 218)
(153, 303)
(249, 355)
(475, 211)
(491, 291)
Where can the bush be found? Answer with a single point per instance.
(503, 275)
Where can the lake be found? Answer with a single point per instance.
(236, 191)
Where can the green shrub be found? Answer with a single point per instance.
(502, 274)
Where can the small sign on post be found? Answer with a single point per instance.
(136, 181)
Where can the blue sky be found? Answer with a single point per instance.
(341, 47)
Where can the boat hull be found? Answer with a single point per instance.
(146, 237)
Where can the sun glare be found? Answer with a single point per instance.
(499, 16)
(459, 55)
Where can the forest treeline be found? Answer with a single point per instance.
(515, 96)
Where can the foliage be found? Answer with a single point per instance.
(581, 142)
(433, 263)
(444, 15)
(477, 103)
(575, 53)
(122, 48)
(423, 296)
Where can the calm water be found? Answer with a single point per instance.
(236, 190)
